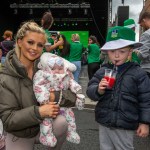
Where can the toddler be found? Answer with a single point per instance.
(55, 74)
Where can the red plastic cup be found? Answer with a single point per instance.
(110, 76)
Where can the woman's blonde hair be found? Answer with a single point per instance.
(76, 37)
(21, 33)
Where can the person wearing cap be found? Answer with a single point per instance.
(122, 110)
(7, 44)
(144, 51)
(130, 23)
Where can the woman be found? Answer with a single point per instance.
(76, 49)
(46, 22)
(19, 110)
(64, 50)
(93, 56)
(7, 44)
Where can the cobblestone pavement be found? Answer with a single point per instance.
(88, 131)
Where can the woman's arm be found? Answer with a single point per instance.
(16, 117)
(13, 116)
(52, 47)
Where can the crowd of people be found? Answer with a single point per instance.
(39, 83)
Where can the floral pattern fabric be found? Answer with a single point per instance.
(44, 82)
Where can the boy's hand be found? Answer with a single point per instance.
(143, 130)
(102, 86)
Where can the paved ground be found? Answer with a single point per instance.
(88, 131)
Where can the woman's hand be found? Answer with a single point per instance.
(60, 42)
(102, 86)
(49, 110)
(52, 47)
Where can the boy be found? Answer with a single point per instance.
(124, 108)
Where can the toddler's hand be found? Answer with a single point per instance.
(102, 86)
(143, 130)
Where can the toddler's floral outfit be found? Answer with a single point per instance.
(44, 82)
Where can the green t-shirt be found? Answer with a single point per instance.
(75, 51)
(93, 53)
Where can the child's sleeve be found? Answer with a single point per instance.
(144, 98)
(77, 89)
(80, 101)
(74, 86)
(92, 89)
(41, 91)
